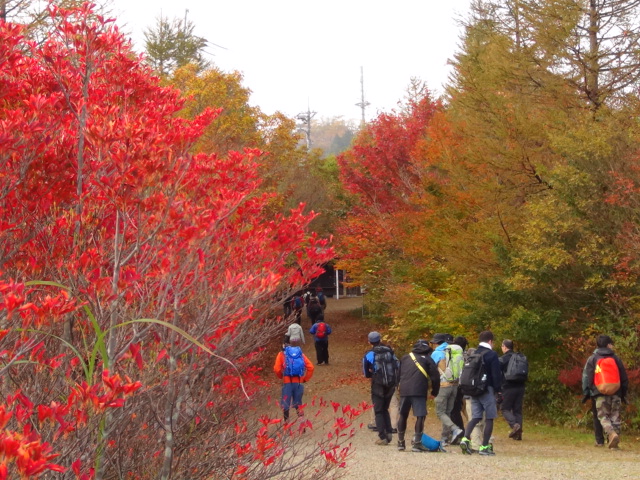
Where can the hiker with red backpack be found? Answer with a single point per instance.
(605, 381)
(295, 369)
(321, 331)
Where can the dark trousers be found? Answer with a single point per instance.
(322, 351)
(512, 404)
(597, 426)
(456, 411)
(381, 398)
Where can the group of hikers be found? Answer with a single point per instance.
(482, 383)
(475, 380)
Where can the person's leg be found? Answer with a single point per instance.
(444, 403)
(393, 411)
(509, 396)
(297, 393)
(456, 411)
(318, 345)
(488, 401)
(517, 411)
(377, 399)
(286, 399)
(404, 408)
(597, 426)
(326, 351)
(388, 395)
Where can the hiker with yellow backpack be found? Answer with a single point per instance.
(605, 381)
(416, 369)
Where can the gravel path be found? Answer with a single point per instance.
(537, 457)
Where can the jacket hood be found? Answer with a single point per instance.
(604, 352)
(422, 348)
(442, 347)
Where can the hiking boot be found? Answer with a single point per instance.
(456, 436)
(444, 441)
(486, 450)
(401, 446)
(372, 426)
(389, 437)
(599, 445)
(515, 429)
(614, 440)
(465, 445)
(382, 441)
(418, 447)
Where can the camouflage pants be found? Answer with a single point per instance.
(608, 407)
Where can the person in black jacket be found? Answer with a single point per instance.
(415, 367)
(513, 394)
(608, 406)
(485, 404)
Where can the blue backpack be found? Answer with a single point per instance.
(293, 362)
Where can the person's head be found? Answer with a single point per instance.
(422, 347)
(486, 337)
(461, 341)
(374, 338)
(438, 338)
(604, 341)
(448, 338)
(507, 345)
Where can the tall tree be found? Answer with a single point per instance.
(172, 44)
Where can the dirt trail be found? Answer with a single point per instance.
(537, 457)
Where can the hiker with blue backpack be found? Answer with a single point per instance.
(380, 364)
(321, 331)
(295, 369)
(515, 371)
(448, 358)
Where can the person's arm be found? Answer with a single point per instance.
(624, 379)
(313, 329)
(367, 367)
(328, 329)
(309, 368)
(496, 373)
(278, 367)
(434, 376)
(587, 376)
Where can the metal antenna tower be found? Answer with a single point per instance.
(305, 118)
(363, 104)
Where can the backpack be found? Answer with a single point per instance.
(517, 369)
(473, 379)
(454, 362)
(321, 330)
(297, 303)
(294, 362)
(385, 370)
(607, 376)
(321, 298)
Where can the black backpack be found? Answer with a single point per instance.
(473, 379)
(517, 369)
(385, 371)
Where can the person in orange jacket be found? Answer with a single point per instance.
(295, 369)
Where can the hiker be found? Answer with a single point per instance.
(321, 297)
(484, 402)
(381, 365)
(297, 303)
(416, 368)
(449, 361)
(321, 331)
(605, 381)
(477, 433)
(314, 310)
(295, 369)
(294, 335)
(512, 391)
(458, 403)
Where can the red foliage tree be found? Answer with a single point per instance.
(138, 279)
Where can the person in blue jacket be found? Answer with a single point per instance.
(321, 331)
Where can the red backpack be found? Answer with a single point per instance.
(321, 330)
(607, 376)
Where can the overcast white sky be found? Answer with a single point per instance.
(295, 54)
